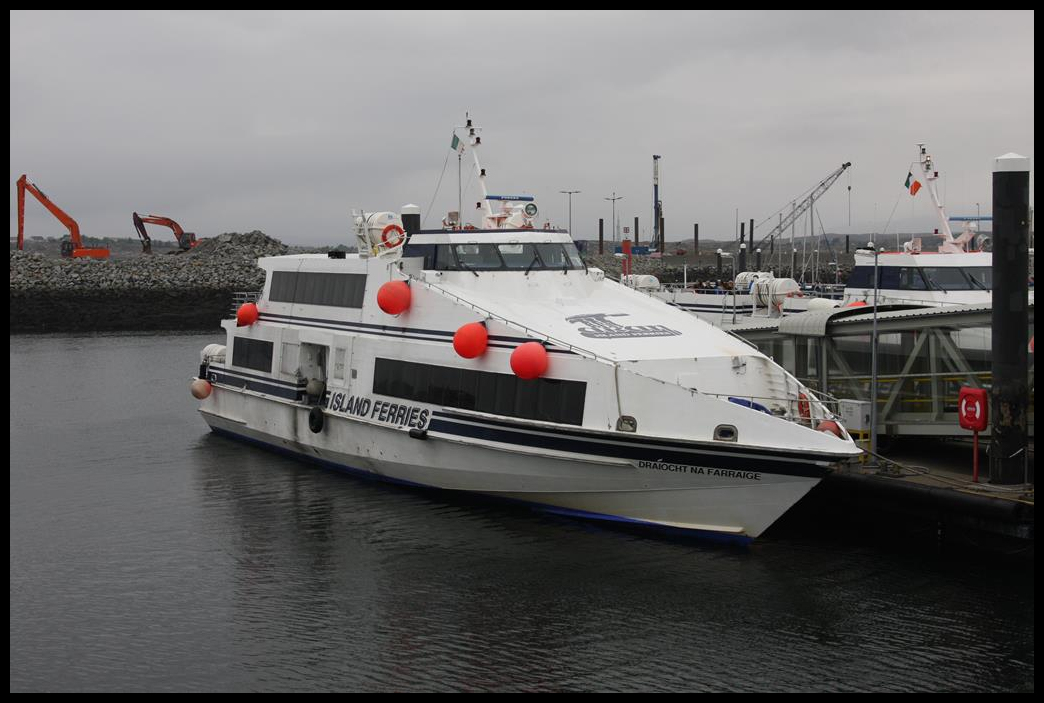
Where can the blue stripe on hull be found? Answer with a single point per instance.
(740, 540)
(592, 447)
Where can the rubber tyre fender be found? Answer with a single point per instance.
(316, 420)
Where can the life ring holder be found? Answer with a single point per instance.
(399, 238)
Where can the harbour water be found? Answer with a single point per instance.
(149, 555)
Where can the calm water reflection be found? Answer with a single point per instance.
(148, 554)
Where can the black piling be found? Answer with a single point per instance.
(1009, 396)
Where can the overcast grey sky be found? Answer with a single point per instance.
(284, 122)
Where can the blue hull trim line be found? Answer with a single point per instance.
(739, 540)
(592, 447)
(237, 381)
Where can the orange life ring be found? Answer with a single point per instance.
(803, 406)
(399, 236)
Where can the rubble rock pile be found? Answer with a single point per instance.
(191, 290)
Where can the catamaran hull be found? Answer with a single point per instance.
(730, 494)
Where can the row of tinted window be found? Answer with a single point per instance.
(547, 399)
(342, 290)
(923, 278)
(512, 256)
(252, 354)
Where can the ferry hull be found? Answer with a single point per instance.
(728, 495)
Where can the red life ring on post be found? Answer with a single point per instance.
(397, 240)
(803, 407)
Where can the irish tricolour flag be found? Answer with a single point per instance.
(912, 184)
(457, 145)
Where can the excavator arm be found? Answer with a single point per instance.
(186, 240)
(146, 243)
(76, 248)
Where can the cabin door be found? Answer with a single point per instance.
(341, 363)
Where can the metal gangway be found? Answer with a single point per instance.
(924, 356)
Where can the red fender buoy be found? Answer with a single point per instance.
(471, 340)
(201, 389)
(394, 297)
(246, 315)
(830, 427)
(529, 360)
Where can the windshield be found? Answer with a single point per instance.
(952, 278)
(480, 257)
(511, 256)
(519, 256)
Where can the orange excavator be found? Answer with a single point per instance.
(186, 240)
(73, 247)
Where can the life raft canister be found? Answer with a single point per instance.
(396, 239)
(316, 419)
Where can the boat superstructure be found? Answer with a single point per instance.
(582, 395)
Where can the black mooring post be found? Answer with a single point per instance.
(742, 235)
(757, 259)
(750, 231)
(742, 258)
(1009, 396)
(637, 237)
(601, 235)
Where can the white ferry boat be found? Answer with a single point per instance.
(493, 361)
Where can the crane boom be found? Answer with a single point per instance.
(805, 204)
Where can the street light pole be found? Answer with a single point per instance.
(873, 363)
(614, 199)
(570, 194)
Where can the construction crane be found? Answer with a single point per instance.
(186, 240)
(74, 246)
(802, 206)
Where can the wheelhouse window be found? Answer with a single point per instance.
(947, 278)
(519, 256)
(981, 277)
(547, 399)
(478, 257)
(560, 256)
(910, 279)
(498, 256)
